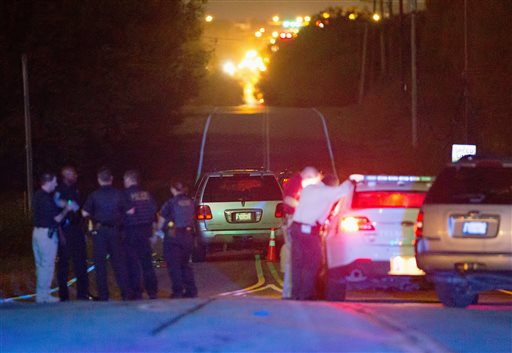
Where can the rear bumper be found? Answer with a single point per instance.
(233, 236)
(433, 260)
(450, 261)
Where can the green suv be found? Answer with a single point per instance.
(238, 206)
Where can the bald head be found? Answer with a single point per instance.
(310, 175)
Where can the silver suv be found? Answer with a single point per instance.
(464, 230)
(238, 206)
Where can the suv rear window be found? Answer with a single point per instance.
(242, 187)
(472, 185)
(388, 199)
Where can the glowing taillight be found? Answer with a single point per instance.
(418, 227)
(279, 210)
(203, 212)
(356, 224)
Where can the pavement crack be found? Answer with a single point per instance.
(178, 318)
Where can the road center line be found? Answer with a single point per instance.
(261, 279)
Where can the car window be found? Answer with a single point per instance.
(388, 199)
(472, 185)
(244, 187)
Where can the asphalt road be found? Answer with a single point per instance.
(239, 310)
(265, 137)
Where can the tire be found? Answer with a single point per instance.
(455, 296)
(199, 251)
(335, 288)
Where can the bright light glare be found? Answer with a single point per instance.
(326, 15)
(262, 30)
(299, 19)
(258, 34)
(229, 68)
(275, 34)
(352, 16)
(376, 17)
(272, 41)
(275, 18)
(208, 18)
(307, 18)
(350, 224)
(250, 54)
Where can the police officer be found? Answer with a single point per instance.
(176, 219)
(46, 217)
(106, 207)
(291, 196)
(138, 229)
(73, 245)
(315, 204)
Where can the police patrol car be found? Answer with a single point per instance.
(370, 232)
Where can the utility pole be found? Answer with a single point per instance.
(28, 133)
(363, 65)
(401, 46)
(465, 75)
(414, 88)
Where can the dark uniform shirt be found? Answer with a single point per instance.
(145, 206)
(69, 193)
(106, 206)
(44, 209)
(180, 210)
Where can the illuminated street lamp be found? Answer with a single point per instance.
(275, 19)
(275, 34)
(352, 16)
(307, 19)
(208, 18)
(376, 17)
(326, 15)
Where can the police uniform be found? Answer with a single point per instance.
(106, 207)
(315, 203)
(138, 229)
(44, 242)
(179, 243)
(73, 247)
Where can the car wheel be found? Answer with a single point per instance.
(199, 251)
(335, 288)
(455, 295)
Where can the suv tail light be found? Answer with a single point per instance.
(203, 212)
(356, 224)
(279, 210)
(418, 228)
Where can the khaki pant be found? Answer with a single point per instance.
(45, 251)
(286, 259)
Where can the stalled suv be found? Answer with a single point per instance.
(238, 206)
(464, 230)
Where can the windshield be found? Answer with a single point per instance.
(242, 188)
(492, 185)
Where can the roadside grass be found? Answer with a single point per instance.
(17, 265)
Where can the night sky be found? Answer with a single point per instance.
(265, 9)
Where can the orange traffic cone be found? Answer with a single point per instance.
(271, 252)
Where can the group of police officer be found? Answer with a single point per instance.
(123, 229)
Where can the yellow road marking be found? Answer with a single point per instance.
(261, 280)
(505, 291)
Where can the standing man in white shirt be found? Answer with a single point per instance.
(315, 203)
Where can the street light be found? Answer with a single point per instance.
(275, 19)
(376, 17)
(208, 18)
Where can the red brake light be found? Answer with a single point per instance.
(284, 182)
(203, 212)
(418, 228)
(356, 224)
(279, 210)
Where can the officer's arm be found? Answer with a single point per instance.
(290, 201)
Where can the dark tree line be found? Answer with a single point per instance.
(322, 67)
(107, 79)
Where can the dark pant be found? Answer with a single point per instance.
(306, 261)
(140, 258)
(177, 252)
(108, 240)
(74, 249)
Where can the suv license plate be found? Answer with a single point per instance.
(474, 228)
(243, 217)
